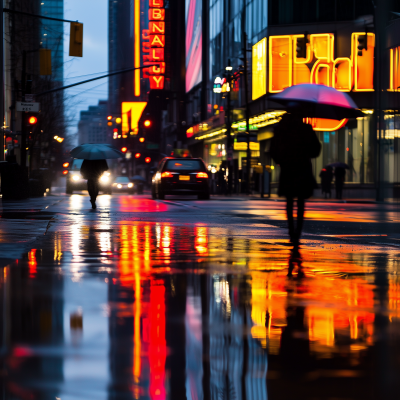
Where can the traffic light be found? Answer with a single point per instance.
(362, 44)
(124, 149)
(66, 165)
(32, 120)
(141, 140)
(301, 46)
(45, 61)
(109, 118)
(147, 123)
(75, 39)
(137, 155)
(147, 159)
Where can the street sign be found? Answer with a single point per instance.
(29, 107)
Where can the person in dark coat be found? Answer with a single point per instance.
(326, 176)
(340, 173)
(292, 147)
(92, 171)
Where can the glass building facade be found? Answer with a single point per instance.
(333, 27)
(52, 35)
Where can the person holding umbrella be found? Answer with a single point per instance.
(92, 171)
(293, 145)
(94, 164)
(340, 174)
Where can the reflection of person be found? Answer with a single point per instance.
(340, 173)
(293, 145)
(326, 176)
(295, 344)
(92, 170)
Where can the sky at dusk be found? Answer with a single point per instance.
(93, 15)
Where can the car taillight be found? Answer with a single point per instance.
(166, 174)
(202, 175)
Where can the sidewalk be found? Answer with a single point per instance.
(275, 197)
(21, 223)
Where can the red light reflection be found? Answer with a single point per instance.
(32, 263)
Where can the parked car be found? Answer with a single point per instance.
(75, 180)
(180, 176)
(123, 184)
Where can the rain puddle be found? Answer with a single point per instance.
(147, 310)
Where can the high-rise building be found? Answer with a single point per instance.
(52, 35)
(92, 127)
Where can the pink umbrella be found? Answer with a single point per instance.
(318, 101)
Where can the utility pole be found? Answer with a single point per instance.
(229, 147)
(246, 89)
(381, 13)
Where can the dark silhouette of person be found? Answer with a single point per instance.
(326, 176)
(92, 171)
(340, 173)
(292, 147)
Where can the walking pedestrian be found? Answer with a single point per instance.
(293, 145)
(340, 173)
(326, 176)
(92, 171)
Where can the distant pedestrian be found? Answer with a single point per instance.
(340, 173)
(92, 171)
(326, 176)
(293, 145)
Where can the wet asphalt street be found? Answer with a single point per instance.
(188, 299)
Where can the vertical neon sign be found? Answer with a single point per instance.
(154, 45)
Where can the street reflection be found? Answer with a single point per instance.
(198, 312)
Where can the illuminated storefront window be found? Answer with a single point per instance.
(259, 69)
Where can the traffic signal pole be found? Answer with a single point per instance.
(229, 147)
(246, 89)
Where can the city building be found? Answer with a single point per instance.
(332, 32)
(92, 126)
(140, 34)
(52, 35)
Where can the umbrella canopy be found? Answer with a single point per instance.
(98, 151)
(339, 165)
(318, 101)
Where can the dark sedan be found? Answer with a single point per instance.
(123, 184)
(181, 176)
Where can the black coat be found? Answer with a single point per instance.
(93, 169)
(293, 145)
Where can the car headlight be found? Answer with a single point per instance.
(119, 186)
(104, 178)
(130, 185)
(75, 177)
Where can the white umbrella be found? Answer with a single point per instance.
(96, 151)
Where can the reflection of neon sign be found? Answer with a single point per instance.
(320, 66)
(154, 45)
